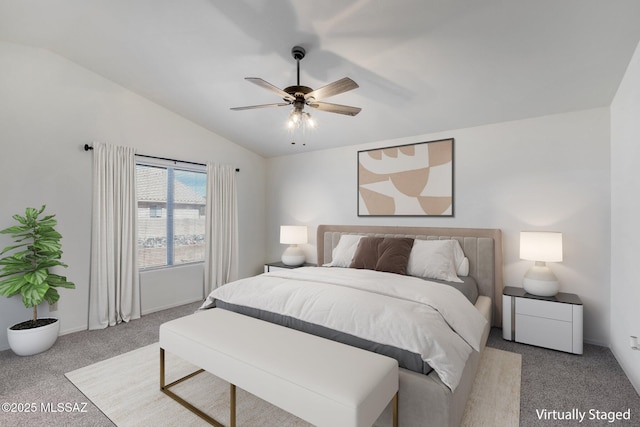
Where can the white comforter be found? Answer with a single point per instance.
(427, 318)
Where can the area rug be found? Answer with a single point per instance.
(495, 396)
(126, 389)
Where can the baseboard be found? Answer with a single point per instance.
(149, 311)
(72, 330)
(598, 343)
(61, 333)
(172, 305)
(629, 377)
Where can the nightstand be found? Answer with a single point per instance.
(550, 322)
(274, 266)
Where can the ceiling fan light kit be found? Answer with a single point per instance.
(298, 118)
(300, 96)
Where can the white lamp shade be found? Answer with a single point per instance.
(293, 234)
(541, 246)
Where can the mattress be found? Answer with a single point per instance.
(424, 325)
(406, 359)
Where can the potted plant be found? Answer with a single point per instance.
(24, 270)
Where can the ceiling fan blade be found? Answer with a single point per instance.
(251, 107)
(265, 84)
(335, 108)
(339, 86)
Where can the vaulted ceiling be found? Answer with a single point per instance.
(423, 66)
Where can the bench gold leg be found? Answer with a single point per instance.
(395, 410)
(232, 404)
(162, 369)
(165, 389)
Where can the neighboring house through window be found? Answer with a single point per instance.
(171, 215)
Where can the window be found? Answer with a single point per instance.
(155, 211)
(171, 215)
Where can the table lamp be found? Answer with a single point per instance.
(541, 247)
(293, 235)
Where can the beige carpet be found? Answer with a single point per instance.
(126, 389)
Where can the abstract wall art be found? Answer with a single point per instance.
(406, 180)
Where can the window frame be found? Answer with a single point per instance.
(170, 166)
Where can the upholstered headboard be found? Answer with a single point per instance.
(482, 246)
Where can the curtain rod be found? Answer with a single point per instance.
(88, 147)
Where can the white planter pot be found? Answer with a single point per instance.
(27, 342)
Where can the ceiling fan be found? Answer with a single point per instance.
(299, 96)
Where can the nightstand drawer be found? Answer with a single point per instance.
(546, 309)
(552, 322)
(554, 334)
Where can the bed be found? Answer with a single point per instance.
(435, 384)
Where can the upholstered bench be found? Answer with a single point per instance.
(321, 381)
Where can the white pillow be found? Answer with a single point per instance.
(344, 251)
(463, 268)
(433, 259)
(462, 262)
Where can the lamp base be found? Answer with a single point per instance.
(540, 280)
(293, 256)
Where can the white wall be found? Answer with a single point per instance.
(49, 108)
(548, 173)
(625, 223)
(158, 290)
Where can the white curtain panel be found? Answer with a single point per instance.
(221, 231)
(114, 288)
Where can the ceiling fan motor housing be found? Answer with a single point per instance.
(298, 92)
